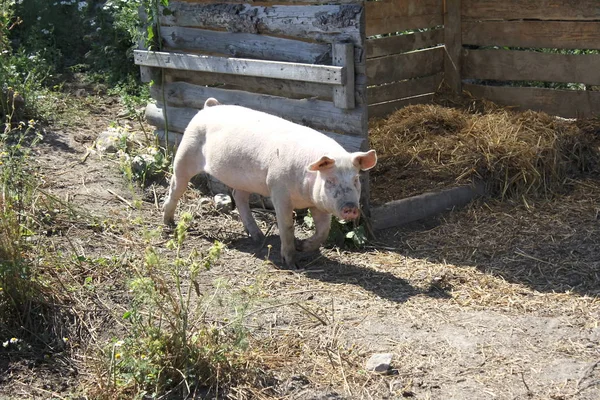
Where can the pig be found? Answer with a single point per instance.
(255, 152)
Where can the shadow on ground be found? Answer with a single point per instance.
(318, 266)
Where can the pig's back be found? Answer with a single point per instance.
(245, 148)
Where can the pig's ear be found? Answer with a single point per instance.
(365, 161)
(323, 164)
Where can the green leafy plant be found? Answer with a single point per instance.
(342, 233)
(170, 345)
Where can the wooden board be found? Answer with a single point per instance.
(537, 34)
(242, 66)
(323, 23)
(179, 118)
(381, 110)
(343, 56)
(565, 103)
(579, 10)
(453, 43)
(410, 209)
(509, 65)
(403, 43)
(245, 45)
(399, 15)
(405, 66)
(402, 24)
(274, 87)
(403, 89)
(314, 113)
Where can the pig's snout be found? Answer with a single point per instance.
(350, 211)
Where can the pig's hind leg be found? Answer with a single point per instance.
(188, 163)
(322, 221)
(242, 202)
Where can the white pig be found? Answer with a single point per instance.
(254, 152)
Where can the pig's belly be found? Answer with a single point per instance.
(247, 180)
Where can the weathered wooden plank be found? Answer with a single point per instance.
(386, 46)
(399, 67)
(381, 110)
(410, 209)
(242, 66)
(323, 23)
(343, 56)
(512, 65)
(399, 15)
(314, 113)
(565, 103)
(179, 118)
(403, 89)
(246, 45)
(452, 40)
(275, 87)
(540, 34)
(402, 24)
(579, 10)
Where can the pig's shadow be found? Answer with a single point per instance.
(315, 265)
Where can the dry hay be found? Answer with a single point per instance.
(517, 154)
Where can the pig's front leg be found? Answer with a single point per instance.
(322, 222)
(285, 222)
(242, 202)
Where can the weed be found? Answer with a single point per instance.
(170, 346)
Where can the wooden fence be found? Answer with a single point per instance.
(331, 66)
(405, 53)
(507, 45)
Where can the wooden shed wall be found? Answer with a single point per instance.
(281, 31)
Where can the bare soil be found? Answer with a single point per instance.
(495, 301)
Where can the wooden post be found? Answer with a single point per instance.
(453, 44)
(343, 56)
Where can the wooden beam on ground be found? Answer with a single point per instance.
(400, 212)
(323, 74)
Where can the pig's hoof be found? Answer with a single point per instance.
(257, 237)
(290, 261)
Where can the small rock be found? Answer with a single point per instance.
(380, 362)
(111, 140)
(223, 203)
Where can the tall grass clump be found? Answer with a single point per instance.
(172, 346)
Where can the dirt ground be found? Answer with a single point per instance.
(495, 301)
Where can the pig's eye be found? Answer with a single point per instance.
(331, 181)
(356, 181)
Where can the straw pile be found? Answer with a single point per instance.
(517, 154)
